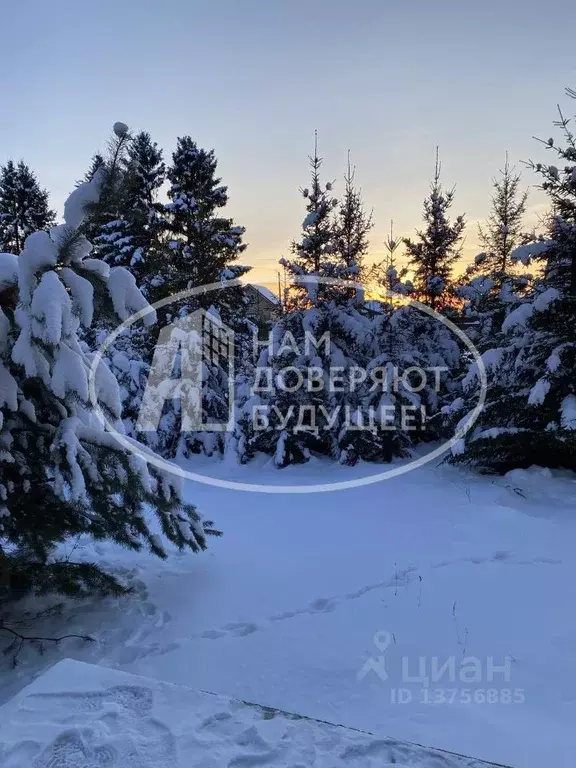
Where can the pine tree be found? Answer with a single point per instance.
(302, 411)
(433, 254)
(95, 164)
(203, 245)
(315, 254)
(61, 473)
(132, 239)
(493, 282)
(23, 206)
(336, 382)
(146, 174)
(126, 225)
(530, 412)
(293, 408)
(502, 233)
(352, 226)
(390, 264)
(104, 224)
(421, 358)
(387, 272)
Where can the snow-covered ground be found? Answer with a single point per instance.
(80, 715)
(332, 604)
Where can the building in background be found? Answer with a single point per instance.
(264, 305)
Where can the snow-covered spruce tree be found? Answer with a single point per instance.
(274, 413)
(388, 273)
(126, 222)
(203, 244)
(502, 233)
(307, 395)
(126, 225)
(422, 360)
(145, 173)
(61, 474)
(95, 164)
(437, 247)
(128, 360)
(530, 412)
(24, 206)
(201, 249)
(131, 238)
(315, 254)
(337, 383)
(300, 401)
(352, 226)
(493, 282)
(104, 225)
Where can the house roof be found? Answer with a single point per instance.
(265, 292)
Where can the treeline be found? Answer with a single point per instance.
(339, 373)
(516, 302)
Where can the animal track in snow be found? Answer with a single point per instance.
(500, 556)
(402, 578)
(319, 605)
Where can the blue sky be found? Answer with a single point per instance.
(253, 79)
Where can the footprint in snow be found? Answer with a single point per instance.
(322, 605)
(240, 629)
(236, 629)
(285, 615)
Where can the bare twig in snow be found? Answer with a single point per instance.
(15, 646)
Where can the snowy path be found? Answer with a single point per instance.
(284, 609)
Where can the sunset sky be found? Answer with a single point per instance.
(254, 79)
